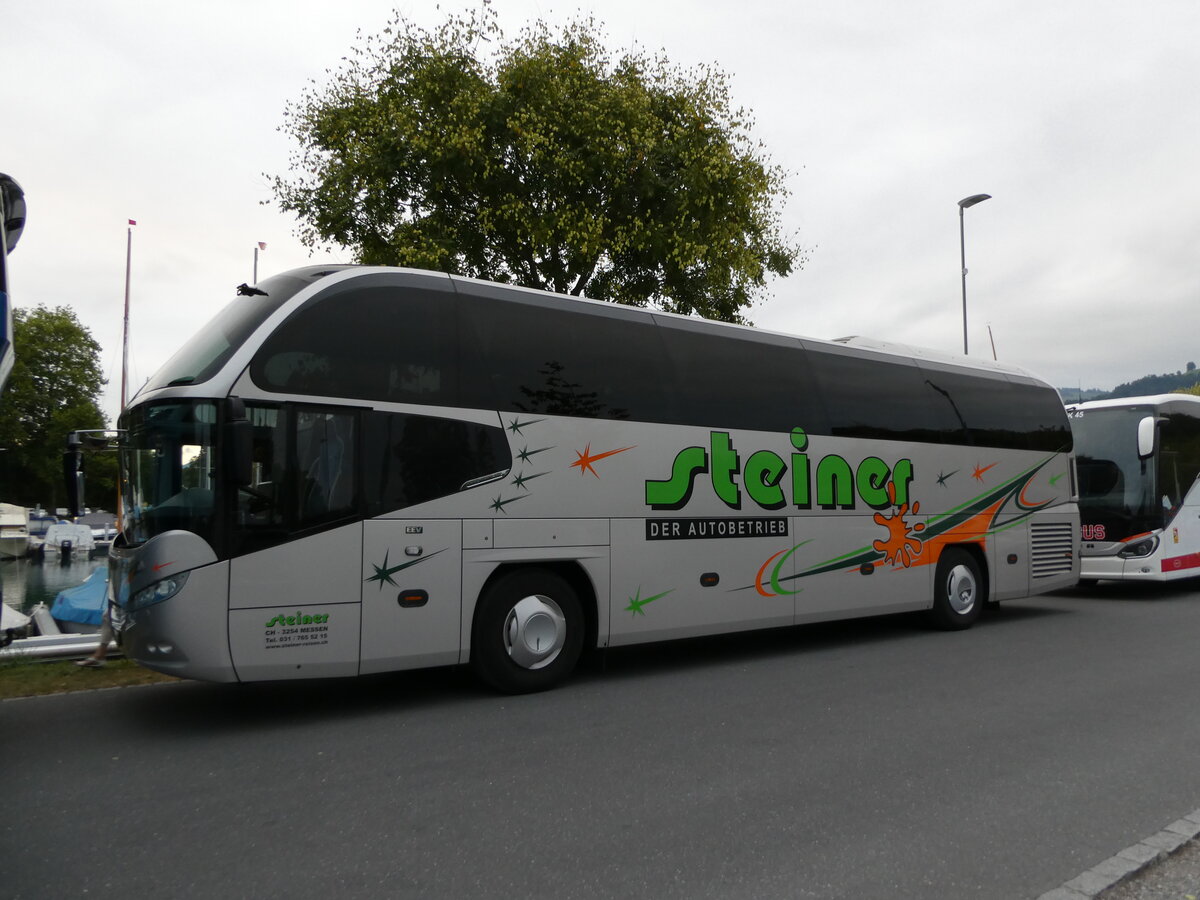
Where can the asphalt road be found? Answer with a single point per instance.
(865, 759)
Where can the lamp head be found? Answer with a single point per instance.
(973, 199)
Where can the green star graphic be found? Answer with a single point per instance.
(1054, 480)
(515, 425)
(520, 480)
(636, 602)
(524, 455)
(384, 574)
(498, 504)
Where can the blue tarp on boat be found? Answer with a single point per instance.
(83, 603)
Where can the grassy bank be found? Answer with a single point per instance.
(32, 679)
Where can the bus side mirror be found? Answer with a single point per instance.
(73, 475)
(1146, 437)
(239, 444)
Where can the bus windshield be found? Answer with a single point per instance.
(1117, 489)
(168, 462)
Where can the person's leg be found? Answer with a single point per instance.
(106, 636)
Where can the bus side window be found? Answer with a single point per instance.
(412, 459)
(388, 338)
(1179, 460)
(325, 462)
(259, 503)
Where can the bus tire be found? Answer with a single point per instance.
(528, 632)
(957, 591)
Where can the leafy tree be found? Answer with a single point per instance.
(548, 163)
(52, 390)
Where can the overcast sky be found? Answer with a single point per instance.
(1078, 116)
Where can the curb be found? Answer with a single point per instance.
(1129, 861)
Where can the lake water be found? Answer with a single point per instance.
(27, 582)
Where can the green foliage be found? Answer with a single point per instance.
(547, 163)
(1157, 384)
(1194, 390)
(53, 390)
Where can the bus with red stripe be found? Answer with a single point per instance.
(1138, 460)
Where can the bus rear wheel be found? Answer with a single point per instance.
(957, 591)
(528, 632)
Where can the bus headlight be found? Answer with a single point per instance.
(158, 592)
(1139, 548)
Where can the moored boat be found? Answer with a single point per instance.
(14, 531)
(65, 539)
(78, 610)
(13, 624)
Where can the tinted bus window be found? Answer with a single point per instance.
(1179, 458)
(325, 461)
(729, 382)
(996, 412)
(870, 397)
(1041, 416)
(536, 358)
(389, 343)
(412, 459)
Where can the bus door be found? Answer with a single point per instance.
(294, 605)
(411, 593)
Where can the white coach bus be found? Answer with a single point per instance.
(357, 470)
(1138, 459)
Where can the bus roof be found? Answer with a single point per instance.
(872, 346)
(1186, 404)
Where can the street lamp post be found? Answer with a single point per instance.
(962, 246)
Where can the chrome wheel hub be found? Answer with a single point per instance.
(961, 589)
(535, 632)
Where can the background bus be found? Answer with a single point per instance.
(356, 470)
(1138, 459)
(12, 223)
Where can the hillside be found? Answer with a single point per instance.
(1147, 384)
(1158, 384)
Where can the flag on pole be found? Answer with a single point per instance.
(262, 245)
(132, 222)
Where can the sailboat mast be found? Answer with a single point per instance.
(125, 337)
(125, 354)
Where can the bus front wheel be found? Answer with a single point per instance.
(528, 632)
(957, 590)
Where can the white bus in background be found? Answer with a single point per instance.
(357, 470)
(1138, 459)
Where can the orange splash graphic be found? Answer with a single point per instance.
(900, 548)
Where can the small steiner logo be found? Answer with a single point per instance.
(299, 619)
